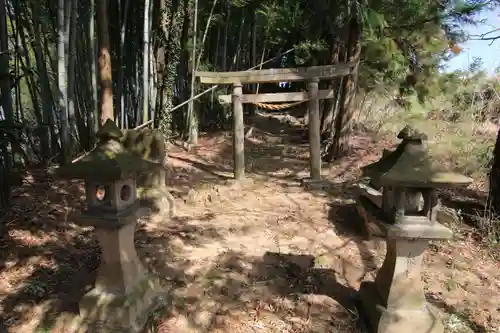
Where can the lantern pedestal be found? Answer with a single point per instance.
(124, 294)
(395, 301)
(315, 184)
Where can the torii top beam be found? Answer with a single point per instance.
(275, 74)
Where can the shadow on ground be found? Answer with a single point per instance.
(48, 263)
(268, 153)
(267, 293)
(44, 257)
(347, 222)
(58, 281)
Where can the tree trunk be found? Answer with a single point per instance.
(5, 104)
(94, 116)
(71, 67)
(26, 65)
(342, 126)
(168, 56)
(226, 37)
(330, 105)
(121, 82)
(216, 59)
(5, 79)
(192, 114)
(61, 69)
(56, 147)
(105, 74)
(494, 191)
(236, 55)
(145, 64)
(255, 25)
(43, 80)
(152, 65)
(181, 119)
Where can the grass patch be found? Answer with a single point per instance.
(463, 146)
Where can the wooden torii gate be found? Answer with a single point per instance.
(310, 74)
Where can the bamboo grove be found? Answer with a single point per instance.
(62, 62)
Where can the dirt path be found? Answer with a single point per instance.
(263, 256)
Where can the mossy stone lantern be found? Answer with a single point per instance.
(124, 293)
(395, 301)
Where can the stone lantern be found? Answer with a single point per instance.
(124, 293)
(395, 301)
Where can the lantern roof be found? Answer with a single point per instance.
(109, 161)
(415, 167)
(407, 134)
(411, 165)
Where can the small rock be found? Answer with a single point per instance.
(177, 242)
(220, 321)
(191, 197)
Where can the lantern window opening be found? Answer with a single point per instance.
(125, 192)
(102, 194)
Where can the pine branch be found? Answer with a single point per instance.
(485, 36)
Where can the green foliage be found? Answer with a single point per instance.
(475, 65)
(406, 41)
(373, 21)
(239, 3)
(307, 52)
(280, 20)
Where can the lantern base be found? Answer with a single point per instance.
(315, 184)
(396, 320)
(101, 311)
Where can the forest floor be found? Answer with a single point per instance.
(264, 255)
